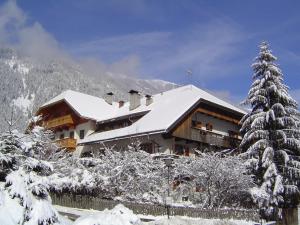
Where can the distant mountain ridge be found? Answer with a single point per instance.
(26, 83)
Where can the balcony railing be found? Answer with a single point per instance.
(214, 138)
(69, 143)
(59, 121)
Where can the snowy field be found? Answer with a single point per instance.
(120, 215)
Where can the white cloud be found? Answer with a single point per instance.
(128, 44)
(128, 66)
(33, 40)
(11, 19)
(30, 39)
(206, 49)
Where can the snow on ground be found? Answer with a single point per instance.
(120, 215)
(65, 220)
(181, 220)
(11, 211)
(75, 211)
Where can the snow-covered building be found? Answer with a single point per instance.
(175, 121)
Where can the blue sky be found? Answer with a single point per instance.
(216, 40)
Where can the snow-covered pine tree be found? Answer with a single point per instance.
(25, 188)
(271, 137)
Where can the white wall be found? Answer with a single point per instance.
(88, 127)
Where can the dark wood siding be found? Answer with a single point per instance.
(187, 129)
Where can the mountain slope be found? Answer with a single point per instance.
(26, 83)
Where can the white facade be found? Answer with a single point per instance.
(88, 128)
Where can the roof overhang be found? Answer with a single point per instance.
(123, 117)
(137, 135)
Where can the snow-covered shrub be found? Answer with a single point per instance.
(215, 180)
(271, 138)
(126, 175)
(135, 175)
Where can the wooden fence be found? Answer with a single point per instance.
(88, 202)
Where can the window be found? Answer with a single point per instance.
(156, 147)
(147, 147)
(198, 188)
(196, 120)
(125, 124)
(186, 151)
(233, 134)
(179, 149)
(209, 126)
(71, 134)
(185, 198)
(62, 136)
(81, 134)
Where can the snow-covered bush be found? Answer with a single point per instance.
(271, 138)
(129, 175)
(137, 176)
(215, 180)
(24, 191)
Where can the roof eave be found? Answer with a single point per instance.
(122, 137)
(123, 117)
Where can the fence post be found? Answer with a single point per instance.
(290, 216)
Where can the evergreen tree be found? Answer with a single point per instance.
(23, 179)
(271, 137)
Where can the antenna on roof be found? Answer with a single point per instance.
(189, 73)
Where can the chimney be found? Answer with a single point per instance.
(149, 99)
(134, 99)
(109, 97)
(121, 103)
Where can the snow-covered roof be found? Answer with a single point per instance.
(166, 109)
(85, 105)
(95, 108)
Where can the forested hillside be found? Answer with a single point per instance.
(28, 82)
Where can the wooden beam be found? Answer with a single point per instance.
(59, 121)
(217, 115)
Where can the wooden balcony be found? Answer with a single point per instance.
(214, 138)
(59, 121)
(68, 143)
